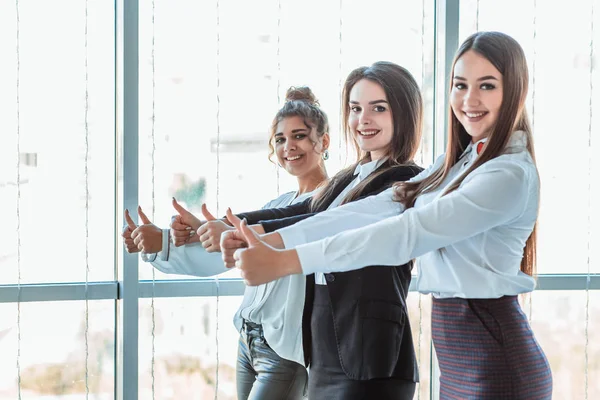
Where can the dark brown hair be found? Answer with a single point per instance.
(300, 102)
(406, 104)
(509, 59)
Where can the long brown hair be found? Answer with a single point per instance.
(509, 59)
(406, 104)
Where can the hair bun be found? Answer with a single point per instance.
(302, 93)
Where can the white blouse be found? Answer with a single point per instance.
(277, 305)
(468, 243)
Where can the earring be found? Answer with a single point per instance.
(325, 155)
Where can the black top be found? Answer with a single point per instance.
(368, 305)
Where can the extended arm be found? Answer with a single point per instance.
(485, 200)
(191, 259)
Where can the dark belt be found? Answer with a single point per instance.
(248, 327)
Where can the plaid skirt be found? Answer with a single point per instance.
(486, 350)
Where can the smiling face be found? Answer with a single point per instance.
(297, 147)
(370, 118)
(476, 94)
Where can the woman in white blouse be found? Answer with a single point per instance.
(469, 219)
(270, 361)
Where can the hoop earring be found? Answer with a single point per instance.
(325, 155)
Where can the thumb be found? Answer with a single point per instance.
(234, 219)
(132, 225)
(249, 235)
(143, 217)
(207, 215)
(179, 208)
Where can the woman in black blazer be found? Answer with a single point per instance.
(356, 333)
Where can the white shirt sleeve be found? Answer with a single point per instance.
(148, 257)
(488, 197)
(166, 245)
(348, 216)
(191, 259)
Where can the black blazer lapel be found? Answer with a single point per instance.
(339, 187)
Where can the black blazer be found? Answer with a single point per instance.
(369, 305)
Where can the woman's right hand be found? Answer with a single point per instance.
(131, 226)
(260, 263)
(183, 226)
(210, 232)
(230, 242)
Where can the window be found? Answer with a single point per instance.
(81, 140)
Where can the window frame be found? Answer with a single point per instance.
(126, 289)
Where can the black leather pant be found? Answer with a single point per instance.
(262, 374)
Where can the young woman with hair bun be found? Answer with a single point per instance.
(270, 361)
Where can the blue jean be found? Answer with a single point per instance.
(262, 374)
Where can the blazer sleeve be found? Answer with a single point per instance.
(375, 204)
(397, 174)
(254, 217)
(273, 225)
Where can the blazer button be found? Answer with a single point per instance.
(329, 277)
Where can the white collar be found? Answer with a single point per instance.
(517, 141)
(364, 170)
(471, 146)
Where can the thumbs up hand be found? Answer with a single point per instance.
(207, 215)
(147, 237)
(232, 240)
(126, 234)
(183, 226)
(210, 232)
(187, 217)
(260, 263)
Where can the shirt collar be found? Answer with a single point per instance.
(518, 140)
(364, 170)
(472, 146)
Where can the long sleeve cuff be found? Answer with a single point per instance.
(148, 257)
(193, 260)
(292, 237)
(270, 226)
(164, 253)
(312, 257)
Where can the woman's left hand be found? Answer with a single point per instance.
(260, 263)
